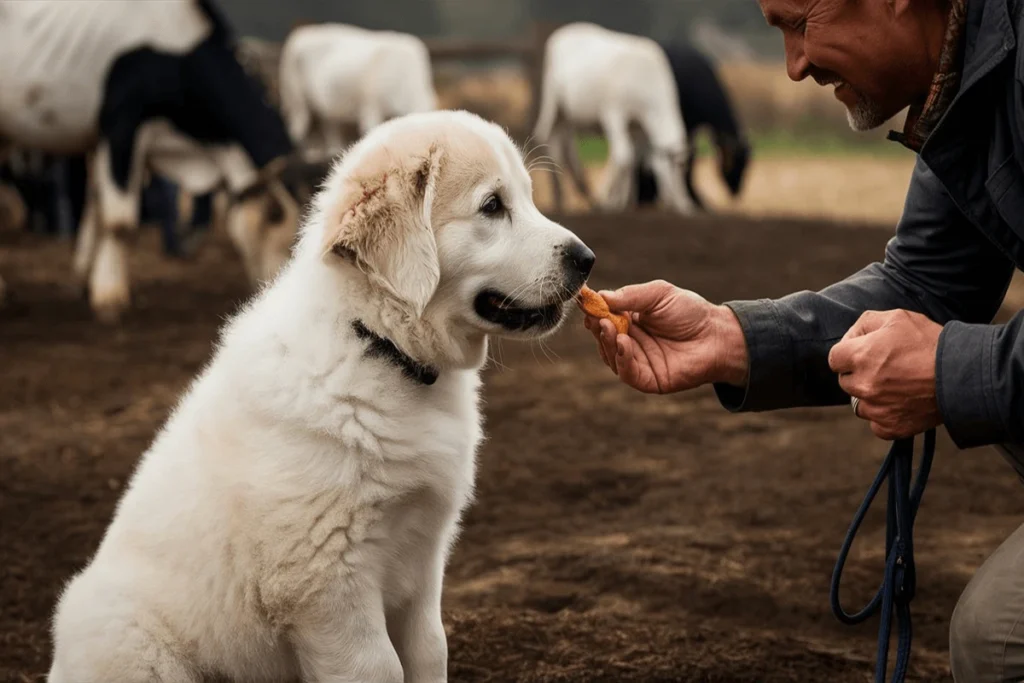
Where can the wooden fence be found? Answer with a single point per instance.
(529, 50)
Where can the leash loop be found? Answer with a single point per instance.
(899, 583)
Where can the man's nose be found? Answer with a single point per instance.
(798, 67)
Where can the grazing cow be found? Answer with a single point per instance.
(345, 80)
(705, 104)
(622, 85)
(145, 86)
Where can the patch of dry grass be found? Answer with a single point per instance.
(846, 188)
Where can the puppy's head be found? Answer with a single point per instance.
(437, 209)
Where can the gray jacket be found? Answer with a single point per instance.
(957, 243)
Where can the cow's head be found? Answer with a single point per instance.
(733, 157)
(263, 220)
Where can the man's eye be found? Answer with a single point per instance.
(493, 206)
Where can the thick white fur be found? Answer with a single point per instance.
(344, 77)
(597, 78)
(294, 516)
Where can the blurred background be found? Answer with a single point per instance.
(807, 161)
(615, 536)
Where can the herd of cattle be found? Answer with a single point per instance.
(138, 91)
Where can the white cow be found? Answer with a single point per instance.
(620, 84)
(109, 78)
(338, 77)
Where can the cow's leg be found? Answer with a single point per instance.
(698, 203)
(245, 229)
(279, 235)
(13, 211)
(370, 116)
(334, 139)
(118, 222)
(220, 202)
(668, 171)
(575, 167)
(556, 147)
(109, 292)
(85, 244)
(618, 177)
(669, 149)
(647, 185)
(201, 211)
(163, 200)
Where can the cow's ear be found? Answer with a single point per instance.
(381, 219)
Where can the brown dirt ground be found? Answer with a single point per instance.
(616, 536)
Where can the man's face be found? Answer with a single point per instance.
(856, 46)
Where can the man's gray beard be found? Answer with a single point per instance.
(864, 115)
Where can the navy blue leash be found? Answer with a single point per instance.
(900, 580)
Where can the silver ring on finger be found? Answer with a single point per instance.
(855, 403)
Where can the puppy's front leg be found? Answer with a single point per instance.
(339, 644)
(417, 630)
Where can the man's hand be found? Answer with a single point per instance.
(677, 340)
(887, 360)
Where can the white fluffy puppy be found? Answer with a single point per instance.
(293, 518)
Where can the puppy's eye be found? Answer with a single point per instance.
(493, 206)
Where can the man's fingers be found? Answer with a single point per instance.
(629, 368)
(608, 334)
(642, 297)
(883, 432)
(868, 322)
(871, 412)
(853, 383)
(634, 371)
(841, 357)
(594, 325)
(600, 351)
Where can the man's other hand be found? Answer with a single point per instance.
(887, 360)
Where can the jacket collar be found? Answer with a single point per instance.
(988, 37)
(922, 118)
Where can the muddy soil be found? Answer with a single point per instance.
(615, 536)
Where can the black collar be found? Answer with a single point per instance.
(385, 348)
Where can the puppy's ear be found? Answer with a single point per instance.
(381, 221)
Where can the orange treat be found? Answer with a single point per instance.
(594, 304)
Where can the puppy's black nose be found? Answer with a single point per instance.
(579, 258)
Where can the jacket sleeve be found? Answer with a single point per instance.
(937, 264)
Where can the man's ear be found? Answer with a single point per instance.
(381, 220)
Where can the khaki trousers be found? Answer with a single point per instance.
(986, 632)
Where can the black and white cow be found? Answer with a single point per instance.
(145, 87)
(705, 104)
